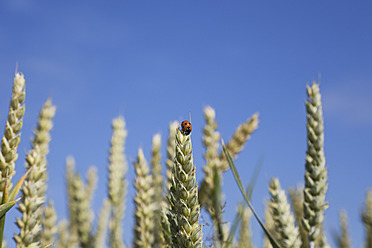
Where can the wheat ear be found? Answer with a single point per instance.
(33, 192)
(66, 238)
(297, 203)
(171, 151)
(42, 138)
(167, 234)
(104, 215)
(211, 139)
(144, 225)
(283, 218)
(245, 234)
(12, 135)
(184, 206)
(270, 225)
(343, 239)
(240, 137)
(49, 224)
(367, 219)
(30, 205)
(316, 173)
(81, 215)
(157, 185)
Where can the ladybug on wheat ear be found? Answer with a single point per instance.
(186, 127)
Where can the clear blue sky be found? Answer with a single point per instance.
(154, 61)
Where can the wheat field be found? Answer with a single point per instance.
(169, 197)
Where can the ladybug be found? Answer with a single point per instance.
(186, 127)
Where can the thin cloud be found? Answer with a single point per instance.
(19, 5)
(350, 103)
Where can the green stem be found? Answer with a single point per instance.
(2, 225)
(4, 200)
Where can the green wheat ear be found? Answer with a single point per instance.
(31, 203)
(316, 173)
(184, 205)
(12, 135)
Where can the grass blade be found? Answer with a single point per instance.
(17, 187)
(256, 172)
(246, 198)
(233, 229)
(6, 207)
(249, 192)
(2, 218)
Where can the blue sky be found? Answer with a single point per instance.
(154, 61)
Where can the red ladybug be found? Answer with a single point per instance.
(186, 127)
